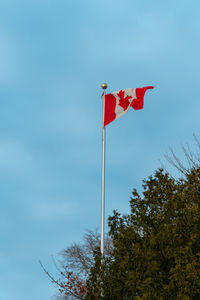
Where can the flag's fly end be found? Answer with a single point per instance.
(119, 102)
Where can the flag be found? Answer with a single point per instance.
(118, 103)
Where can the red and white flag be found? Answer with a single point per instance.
(118, 103)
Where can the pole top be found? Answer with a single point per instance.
(104, 86)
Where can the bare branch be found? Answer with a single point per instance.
(58, 284)
(55, 264)
(192, 158)
(175, 162)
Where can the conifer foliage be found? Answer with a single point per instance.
(156, 248)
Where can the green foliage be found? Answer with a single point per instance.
(156, 248)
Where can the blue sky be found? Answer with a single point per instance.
(54, 55)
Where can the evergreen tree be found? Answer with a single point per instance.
(156, 248)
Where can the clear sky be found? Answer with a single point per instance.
(54, 55)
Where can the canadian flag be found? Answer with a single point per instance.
(118, 103)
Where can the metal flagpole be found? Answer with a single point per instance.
(104, 87)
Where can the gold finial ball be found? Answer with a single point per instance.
(104, 86)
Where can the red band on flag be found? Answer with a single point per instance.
(110, 104)
(138, 103)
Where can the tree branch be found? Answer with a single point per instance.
(57, 283)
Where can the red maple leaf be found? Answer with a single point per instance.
(123, 101)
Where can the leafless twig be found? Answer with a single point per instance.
(57, 283)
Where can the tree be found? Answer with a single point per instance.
(75, 264)
(156, 248)
(151, 253)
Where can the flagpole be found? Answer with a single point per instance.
(104, 87)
